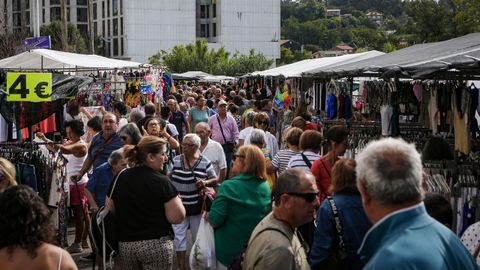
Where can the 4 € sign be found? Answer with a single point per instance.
(29, 87)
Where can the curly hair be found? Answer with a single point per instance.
(25, 220)
(76, 126)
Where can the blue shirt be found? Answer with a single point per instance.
(98, 142)
(410, 239)
(99, 183)
(355, 225)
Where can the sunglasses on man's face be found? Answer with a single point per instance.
(307, 196)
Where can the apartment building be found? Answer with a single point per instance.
(138, 29)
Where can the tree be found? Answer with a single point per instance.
(197, 56)
(76, 42)
(288, 57)
(467, 19)
(12, 43)
(429, 20)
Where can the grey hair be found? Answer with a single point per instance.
(115, 156)
(250, 117)
(391, 171)
(132, 130)
(289, 181)
(194, 138)
(136, 115)
(257, 136)
(242, 93)
(202, 124)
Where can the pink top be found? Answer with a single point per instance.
(230, 129)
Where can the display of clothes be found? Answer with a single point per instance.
(45, 173)
(466, 200)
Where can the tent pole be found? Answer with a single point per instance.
(41, 62)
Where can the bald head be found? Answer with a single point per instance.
(202, 129)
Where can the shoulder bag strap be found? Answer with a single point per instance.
(115, 183)
(338, 223)
(306, 160)
(101, 149)
(326, 169)
(221, 129)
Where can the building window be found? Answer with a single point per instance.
(214, 10)
(204, 12)
(81, 2)
(115, 27)
(94, 11)
(82, 14)
(121, 8)
(27, 4)
(68, 14)
(17, 19)
(103, 28)
(115, 47)
(103, 9)
(115, 7)
(43, 15)
(95, 28)
(83, 28)
(204, 31)
(108, 27)
(54, 14)
(108, 8)
(16, 5)
(54, 2)
(121, 26)
(214, 29)
(122, 49)
(27, 18)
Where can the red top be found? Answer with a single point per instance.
(322, 170)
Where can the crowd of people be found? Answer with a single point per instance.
(279, 203)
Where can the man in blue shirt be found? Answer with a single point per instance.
(101, 179)
(404, 236)
(102, 145)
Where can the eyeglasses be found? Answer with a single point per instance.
(153, 124)
(237, 156)
(307, 196)
(123, 138)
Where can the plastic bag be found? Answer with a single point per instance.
(202, 255)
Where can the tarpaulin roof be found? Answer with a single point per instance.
(298, 68)
(51, 59)
(201, 76)
(418, 61)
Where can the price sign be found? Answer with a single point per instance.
(29, 87)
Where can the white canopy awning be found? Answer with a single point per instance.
(298, 68)
(51, 59)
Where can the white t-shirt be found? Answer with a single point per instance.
(214, 152)
(245, 133)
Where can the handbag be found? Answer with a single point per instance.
(227, 146)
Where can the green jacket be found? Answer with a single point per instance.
(241, 203)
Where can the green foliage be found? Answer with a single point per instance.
(467, 19)
(369, 38)
(76, 42)
(287, 56)
(12, 43)
(197, 56)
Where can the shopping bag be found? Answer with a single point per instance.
(202, 255)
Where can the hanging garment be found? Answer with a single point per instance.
(461, 128)
(418, 91)
(433, 110)
(386, 113)
(3, 129)
(347, 107)
(331, 106)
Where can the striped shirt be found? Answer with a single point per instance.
(297, 160)
(281, 159)
(184, 181)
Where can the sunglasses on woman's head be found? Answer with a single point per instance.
(237, 156)
(307, 196)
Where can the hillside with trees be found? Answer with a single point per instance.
(403, 23)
